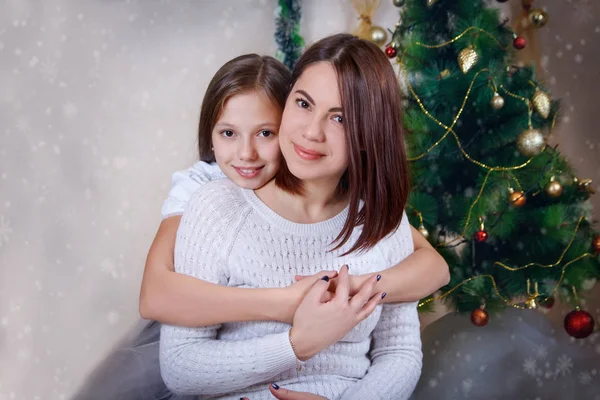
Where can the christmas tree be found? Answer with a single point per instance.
(495, 198)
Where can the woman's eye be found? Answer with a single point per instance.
(338, 118)
(227, 134)
(266, 133)
(302, 103)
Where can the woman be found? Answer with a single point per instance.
(338, 198)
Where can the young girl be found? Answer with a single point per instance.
(238, 128)
(338, 198)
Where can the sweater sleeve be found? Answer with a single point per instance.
(187, 182)
(396, 357)
(192, 360)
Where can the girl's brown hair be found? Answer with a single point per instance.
(243, 73)
(377, 171)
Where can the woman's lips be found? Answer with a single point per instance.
(307, 154)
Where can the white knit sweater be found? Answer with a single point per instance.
(230, 237)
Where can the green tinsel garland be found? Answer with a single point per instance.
(287, 32)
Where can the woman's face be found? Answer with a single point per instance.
(311, 135)
(245, 139)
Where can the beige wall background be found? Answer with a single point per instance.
(98, 106)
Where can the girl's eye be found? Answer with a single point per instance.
(338, 118)
(302, 103)
(227, 134)
(266, 133)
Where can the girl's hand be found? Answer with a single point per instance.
(356, 281)
(294, 294)
(285, 394)
(318, 324)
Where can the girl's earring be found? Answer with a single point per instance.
(212, 149)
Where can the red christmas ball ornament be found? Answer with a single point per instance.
(579, 323)
(548, 303)
(481, 236)
(479, 317)
(596, 244)
(390, 52)
(519, 42)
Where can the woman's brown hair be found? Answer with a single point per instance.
(243, 73)
(377, 171)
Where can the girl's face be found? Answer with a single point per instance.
(311, 135)
(245, 139)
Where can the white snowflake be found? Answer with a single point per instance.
(530, 366)
(542, 351)
(467, 386)
(564, 365)
(583, 12)
(49, 71)
(5, 230)
(108, 266)
(588, 284)
(585, 378)
(70, 110)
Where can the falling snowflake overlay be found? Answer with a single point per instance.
(5, 230)
(539, 368)
(583, 11)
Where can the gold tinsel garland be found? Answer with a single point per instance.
(450, 130)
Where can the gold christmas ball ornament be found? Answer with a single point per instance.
(423, 231)
(538, 17)
(554, 188)
(398, 3)
(377, 35)
(517, 199)
(497, 101)
(541, 103)
(531, 142)
(430, 2)
(584, 185)
(467, 58)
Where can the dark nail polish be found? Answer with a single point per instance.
(347, 267)
(383, 295)
(325, 278)
(378, 278)
(275, 386)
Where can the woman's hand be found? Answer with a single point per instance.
(295, 293)
(285, 394)
(318, 324)
(356, 281)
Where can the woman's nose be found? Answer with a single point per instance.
(314, 131)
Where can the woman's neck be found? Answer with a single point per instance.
(317, 203)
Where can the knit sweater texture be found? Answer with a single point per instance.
(228, 236)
